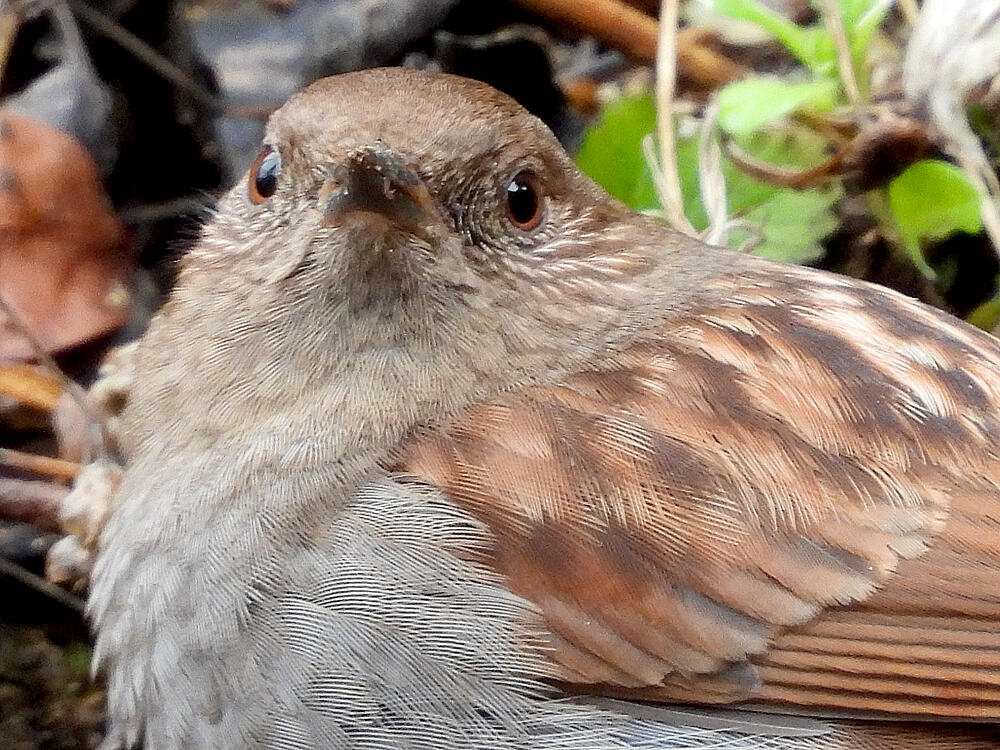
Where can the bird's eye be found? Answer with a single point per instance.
(525, 204)
(264, 175)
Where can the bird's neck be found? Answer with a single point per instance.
(222, 361)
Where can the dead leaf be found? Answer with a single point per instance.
(64, 260)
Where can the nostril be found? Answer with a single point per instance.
(376, 180)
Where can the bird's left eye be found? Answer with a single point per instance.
(525, 202)
(264, 175)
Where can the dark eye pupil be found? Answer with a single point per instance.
(522, 201)
(266, 179)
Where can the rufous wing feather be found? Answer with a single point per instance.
(787, 496)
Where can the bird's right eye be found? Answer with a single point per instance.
(264, 175)
(525, 201)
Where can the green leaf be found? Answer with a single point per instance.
(812, 45)
(78, 656)
(852, 11)
(687, 172)
(793, 223)
(611, 152)
(861, 30)
(612, 155)
(932, 200)
(745, 106)
(986, 315)
(794, 147)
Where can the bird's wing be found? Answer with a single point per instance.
(791, 496)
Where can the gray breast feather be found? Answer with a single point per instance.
(384, 632)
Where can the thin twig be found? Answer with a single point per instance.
(94, 445)
(149, 57)
(754, 234)
(45, 466)
(775, 174)
(33, 501)
(618, 25)
(835, 26)
(612, 21)
(29, 386)
(836, 127)
(711, 181)
(666, 177)
(39, 584)
(701, 65)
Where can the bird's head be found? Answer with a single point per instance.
(419, 236)
(399, 192)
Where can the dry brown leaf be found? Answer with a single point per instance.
(64, 262)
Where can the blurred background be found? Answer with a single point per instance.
(859, 136)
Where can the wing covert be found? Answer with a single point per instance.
(734, 476)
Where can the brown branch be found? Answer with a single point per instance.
(39, 584)
(95, 442)
(30, 386)
(611, 21)
(45, 466)
(875, 155)
(840, 130)
(702, 66)
(621, 26)
(775, 174)
(37, 503)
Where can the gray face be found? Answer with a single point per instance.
(451, 252)
(467, 188)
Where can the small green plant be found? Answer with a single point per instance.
(813, 45)
(791, 223)
(932, 200)
(771, 120)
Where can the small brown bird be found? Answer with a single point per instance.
(437, 446)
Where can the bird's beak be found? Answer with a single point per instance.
(374, 181)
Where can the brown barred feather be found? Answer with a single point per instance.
(788, 498)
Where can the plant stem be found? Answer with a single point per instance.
(835, 26)
(666, 177)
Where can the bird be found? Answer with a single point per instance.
(436, 445)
